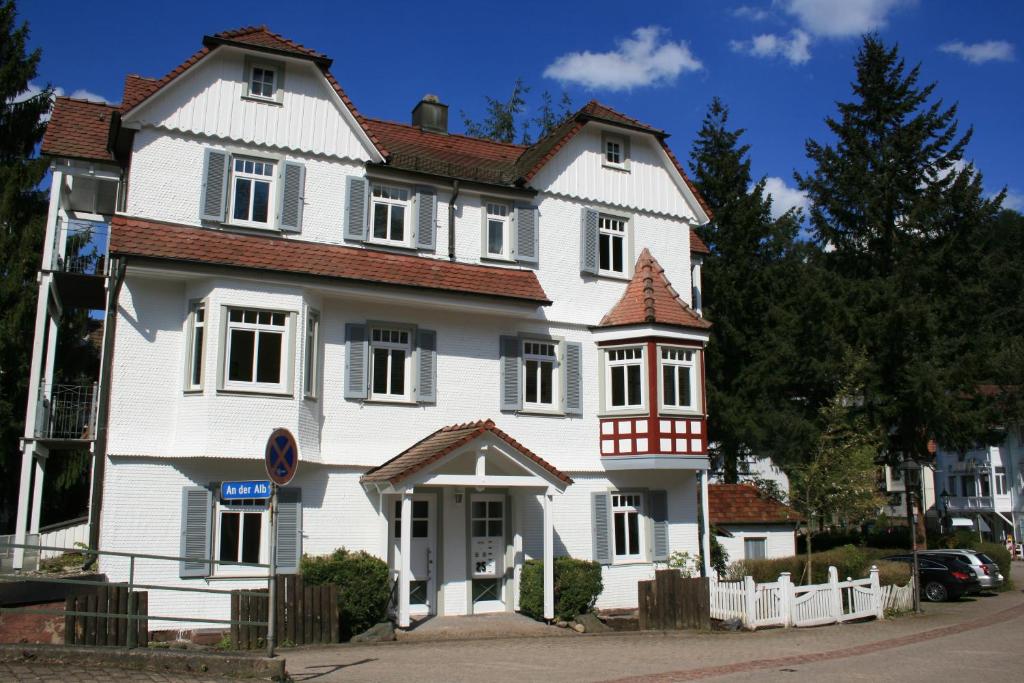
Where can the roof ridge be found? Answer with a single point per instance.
(375, 119)
(87, 101)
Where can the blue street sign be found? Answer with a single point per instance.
(244, 490)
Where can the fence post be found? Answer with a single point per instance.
(876, 593)
(786, 588)
(749, 602)
(834, 594)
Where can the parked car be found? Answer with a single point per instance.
(984, 566)
(942, 578)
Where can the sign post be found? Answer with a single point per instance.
(282, 459)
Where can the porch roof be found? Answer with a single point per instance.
(441, 443)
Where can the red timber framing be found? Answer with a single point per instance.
(654, 432)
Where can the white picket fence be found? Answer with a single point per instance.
(898, 598)
(781, 603)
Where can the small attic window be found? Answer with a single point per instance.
(615, 151)
(264, 80)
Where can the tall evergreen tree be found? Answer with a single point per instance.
(903, 222)
(22, 225)
(505, 120)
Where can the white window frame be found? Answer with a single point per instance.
(276, 68)
(284, 384)
(676, 364)
(1000, 481)
(245, 507)
(619, 142)
(391, 202)
(265, 69)
(614, 229)
(388, 336)
(531, 348)
(311, 360)
(198, 315)
(502, 214)
(253, 178)
(611, 361)
(625, 503)
(763, 540)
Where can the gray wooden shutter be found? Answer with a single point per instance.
(356, 353)
(293, 184)
(572, 377)
(589, 241)
(289, 530)
(426, 218)
(657, 506)
(356, 206)
(426, 341)
(527, 245)
(511, 373)
(601, 507)
(215, 185)
(196, 523)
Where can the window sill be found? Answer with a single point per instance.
(615, 167)
(390, 245)
(631, 562)
(268, 393)
(612, 276)
(498, 259)
(251, 226)
(263, 100)
(540, 412)
(193, 392)
(632, 412)
(380, 401)
(679, 412)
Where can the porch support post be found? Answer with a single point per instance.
(37, 494)
(549, 559)
(705, 522)
(24, 492)
(517, 548)
(404, 568)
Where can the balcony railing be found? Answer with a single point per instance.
(85, 245)
(971, 504)
(66, 411)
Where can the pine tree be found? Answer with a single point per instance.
(903, 223)
(22, 225)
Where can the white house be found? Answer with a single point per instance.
(482, 349)
(749, 525)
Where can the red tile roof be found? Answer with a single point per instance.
(744, 504)
(78, 129)
(650, 299)
(261, 36)
(697, 245)
(441, 443)
(164, 241)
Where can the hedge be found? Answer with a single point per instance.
(577, 585)
(364, 586)
(848, 560)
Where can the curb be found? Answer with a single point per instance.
(233, 665)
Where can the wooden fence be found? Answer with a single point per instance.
(306, 614)
(781, 603)
(106, 629)
(671, 602)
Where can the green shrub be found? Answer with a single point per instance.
(848, 560)
(999, 553)
(364, 586)
(577, 585)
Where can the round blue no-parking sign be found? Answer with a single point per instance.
(282, 456)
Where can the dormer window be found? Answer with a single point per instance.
(615, 151)
(262, 82)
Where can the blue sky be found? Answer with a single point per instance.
(779, 64)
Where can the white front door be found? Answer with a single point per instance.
(487, 549)
(422, 551)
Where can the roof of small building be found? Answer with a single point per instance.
(441, 443)
(697, 245)
(166, 241)
(744, 504)
(79, 129)
(650, 299)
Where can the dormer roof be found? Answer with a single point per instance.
(650, 299)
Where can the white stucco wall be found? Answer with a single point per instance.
(780, 539)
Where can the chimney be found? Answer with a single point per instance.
(430, 115)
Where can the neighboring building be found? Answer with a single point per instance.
(892, 484)
(750, 525)
(753, 467)
(982, 489)
(481, 348)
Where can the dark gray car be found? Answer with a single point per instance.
(989, 577)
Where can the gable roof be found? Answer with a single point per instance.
(744, 504)
(79, 129)
(650, 299)
(442, 442)
(263, 38)
(169, 242)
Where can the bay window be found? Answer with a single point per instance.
(194, 368)
(678, 378)
(540, 379)
(626, 518)
(256, 350)
(624, 378)
(311, 376)
(391, 207)
(252, 192)
(390, 364)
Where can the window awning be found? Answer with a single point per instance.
(964, 522)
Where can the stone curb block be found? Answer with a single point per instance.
(235, 665)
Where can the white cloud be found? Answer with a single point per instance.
(751, 13)
(784, 197)
(81, 94)
(979, 53)
(840, 18)
(1014, 200)
(795, 48)
(644, 59)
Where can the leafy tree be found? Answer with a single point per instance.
(22, 226)
(837, 479)
(504, 120)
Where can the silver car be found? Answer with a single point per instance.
(983, 565)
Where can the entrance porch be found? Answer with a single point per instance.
(455, 509)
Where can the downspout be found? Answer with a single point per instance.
(451, 220)
(99, 447)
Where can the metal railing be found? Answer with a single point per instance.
(85, 246)
(66, 411)
(975, 503)
(132, 586)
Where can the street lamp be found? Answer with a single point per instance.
(910, 468)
